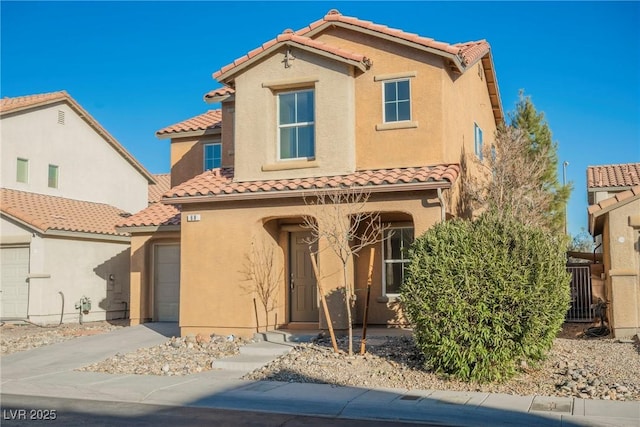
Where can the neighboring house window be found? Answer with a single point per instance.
(22, 174)
(396, 258)
(397, 101)
(478, 140)
(53, 176)
(212, 156)
(296, 124)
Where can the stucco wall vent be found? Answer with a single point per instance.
(60, 117)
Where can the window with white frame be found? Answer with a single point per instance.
(477, 132)
(53, 176)
(395, 254)
(296, 125)
(212, 156)
(22, 170)
(397, 100)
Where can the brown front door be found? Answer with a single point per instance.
(303, 289)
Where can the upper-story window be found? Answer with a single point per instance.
(53, 176)
(296, 125)
(22, 170)
(212, 156)
(397, 100)
(395, 251)
(477, 132)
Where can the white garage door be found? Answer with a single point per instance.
(166, 283)
(14, 287)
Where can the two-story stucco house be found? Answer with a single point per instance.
(342, 103)
(65, 182)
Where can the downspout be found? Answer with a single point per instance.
(443, 211)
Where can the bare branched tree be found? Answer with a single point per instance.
(340, 217)
(264, 275)
(511, 182)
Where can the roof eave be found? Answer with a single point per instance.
(189, 133)
(219, 98)
(147, 228)
(385, 188)
(227, 77)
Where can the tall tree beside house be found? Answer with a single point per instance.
(543, 149)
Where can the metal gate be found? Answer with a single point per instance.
(581, 305)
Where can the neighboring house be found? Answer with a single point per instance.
(614, 222)
(605, 181)
(342, 103)
(65, 183)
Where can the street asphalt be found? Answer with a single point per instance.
(48, 372)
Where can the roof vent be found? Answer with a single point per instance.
(60, 117)
(334, 12)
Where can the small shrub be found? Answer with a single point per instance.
(485, 295)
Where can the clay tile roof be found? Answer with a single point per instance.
(220, 92)
(162, 185)
(620, 175)
(46, 213)
(212, 119)
(158, 214)
(614, 200)
(19, 103)
(220, 182)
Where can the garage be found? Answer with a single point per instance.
(14, 284)
(166, 278)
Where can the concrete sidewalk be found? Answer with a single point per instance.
(48, 372)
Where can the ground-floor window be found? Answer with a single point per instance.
(396, 258)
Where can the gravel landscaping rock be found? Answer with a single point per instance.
(595, 368)
(178, 356)
(16, 337)
(586, 368)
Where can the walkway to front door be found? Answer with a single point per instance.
(303, 289)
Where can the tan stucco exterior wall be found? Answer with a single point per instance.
(622, 267)
(444, 105)
(214, 296)
(187, 156)
(256, 131)
(141, 273)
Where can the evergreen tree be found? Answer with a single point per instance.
(534, 125)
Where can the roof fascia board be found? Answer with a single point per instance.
(189, 133)
(219, 98)
(487, 64)
(86, 236)
(21, 222)
(148, 228)
(301, 193)
(321, 28)
(607, 189)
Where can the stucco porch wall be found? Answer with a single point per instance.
(621, 247)
(215, 296)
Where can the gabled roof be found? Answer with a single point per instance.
(219, 184)
(611, 176)
(607, 205)
(45, 213)
(162, 185)
(202, 123)
(460, 55)
(24, 103)
(156, 215)
(219, 95)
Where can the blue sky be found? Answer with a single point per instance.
(140, 66)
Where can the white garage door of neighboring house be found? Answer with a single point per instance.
(14, 286)
(166, 283)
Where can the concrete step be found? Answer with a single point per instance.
(266, 348)
(285, 337)
(242, 362)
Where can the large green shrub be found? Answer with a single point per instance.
(483, 296)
